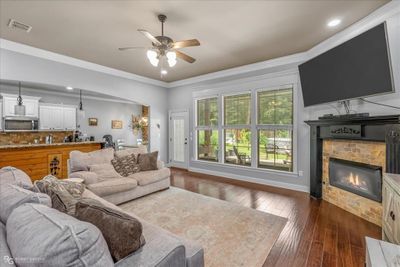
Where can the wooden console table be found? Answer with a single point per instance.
(391, 208)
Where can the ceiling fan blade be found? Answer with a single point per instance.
(150, 37)
(131, 47)
(184, 56)
(186, 43)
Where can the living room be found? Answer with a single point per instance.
(228, 148)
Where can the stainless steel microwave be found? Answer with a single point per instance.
(21, 124)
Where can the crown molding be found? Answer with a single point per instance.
(37, 52)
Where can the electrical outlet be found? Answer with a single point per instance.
(301, 173)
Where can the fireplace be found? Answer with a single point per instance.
(358, 178)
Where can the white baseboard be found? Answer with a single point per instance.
(301, 188)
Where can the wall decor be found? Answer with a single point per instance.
(116, 124)
(55, 165)
(93, 121)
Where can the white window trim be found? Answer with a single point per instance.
(269, 84)
(200, 128)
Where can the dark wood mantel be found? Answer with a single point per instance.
(375, 128)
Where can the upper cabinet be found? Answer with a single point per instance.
(31, 105)
(57, 117)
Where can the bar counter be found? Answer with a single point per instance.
(39, 160)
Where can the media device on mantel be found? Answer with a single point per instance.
(357, 68)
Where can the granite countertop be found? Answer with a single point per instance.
(44, 145)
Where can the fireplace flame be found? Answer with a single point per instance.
(354, 179)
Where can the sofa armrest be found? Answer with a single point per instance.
(88, 177)
(160, 164)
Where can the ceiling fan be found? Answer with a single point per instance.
(164, 46)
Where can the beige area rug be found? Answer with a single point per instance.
(231, 235)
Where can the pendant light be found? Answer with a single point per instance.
(81, 112)
(19, 108)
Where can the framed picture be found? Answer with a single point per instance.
(116, 124)
(92, 121)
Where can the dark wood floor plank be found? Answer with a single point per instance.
(317, 233)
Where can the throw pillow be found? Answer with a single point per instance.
(126, 165)
(12, 196)
(148, 161)
(104, 171)
(41, 236)
(64, 194)
(122, 232)
(11, 175)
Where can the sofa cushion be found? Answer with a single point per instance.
(13, 196)
(80, 161)
(5, 254)
(88, 177)
(64, 194)
(126, 165)
(148, 161)
(11, 175)
(104, 171)
(112, 186)
(122, 232)
(141, 149)
(48, 237)
(149, 177)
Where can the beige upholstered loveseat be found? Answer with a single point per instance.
(100, 177)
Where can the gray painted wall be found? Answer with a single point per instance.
(108, 111)
(182, 98)
(22, 67)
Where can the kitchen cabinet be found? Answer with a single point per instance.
(57, 117)
(31, 105)
(69, 118)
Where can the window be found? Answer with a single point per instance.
(275, 129)
(237, 124)
(207, 129)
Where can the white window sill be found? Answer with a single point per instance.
(259, 170)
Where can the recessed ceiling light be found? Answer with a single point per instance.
(163, 72)
(334, 22)
(69, 88)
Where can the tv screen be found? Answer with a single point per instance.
(357, 68)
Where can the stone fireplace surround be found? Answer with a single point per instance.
(358, 151)
(371, 140)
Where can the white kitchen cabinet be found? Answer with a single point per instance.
(69, 118)
(57, 117)
(31, 105)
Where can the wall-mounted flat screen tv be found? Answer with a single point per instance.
(357, 68)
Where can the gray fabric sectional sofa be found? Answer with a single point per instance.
(31, 230)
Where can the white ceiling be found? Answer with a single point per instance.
(231, 33)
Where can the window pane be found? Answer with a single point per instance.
(275, 149)
(207, 145)
(207, 112)
(238, 146)
(275, 107)
(237, 109)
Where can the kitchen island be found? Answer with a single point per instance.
(39, 160)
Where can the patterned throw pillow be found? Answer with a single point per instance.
(148, 161)
(126, 165)
(64, 194)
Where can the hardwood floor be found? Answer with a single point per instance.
(317, 233)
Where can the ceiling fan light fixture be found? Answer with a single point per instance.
(171, 56)
(153, 57)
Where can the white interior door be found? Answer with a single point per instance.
(179, 139)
